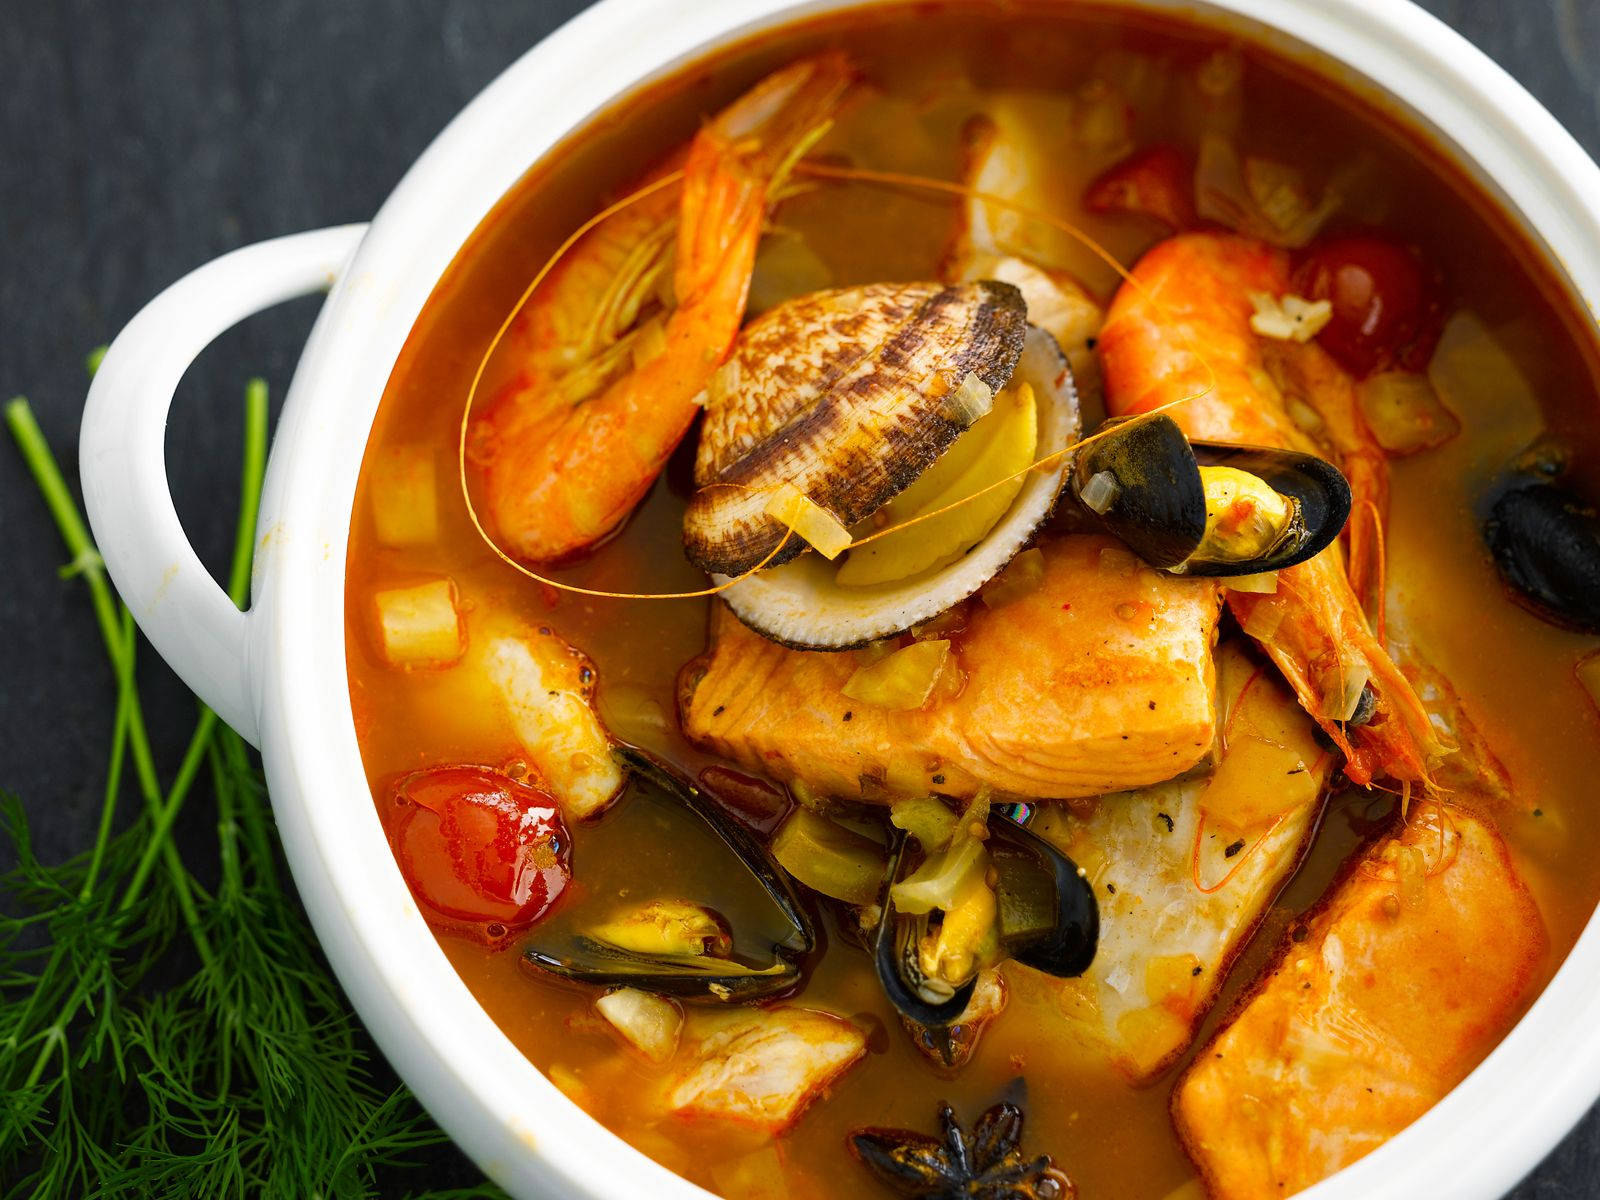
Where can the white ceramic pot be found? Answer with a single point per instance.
(277, 673)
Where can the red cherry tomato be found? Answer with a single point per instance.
(478, 847)
(1154, 182)
(1382, 302)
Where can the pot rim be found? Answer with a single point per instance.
(509, 1117)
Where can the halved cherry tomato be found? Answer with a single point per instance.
(479, 847)
(1384, 309)
(1157, 181)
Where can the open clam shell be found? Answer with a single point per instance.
(1139, 480)
(799, 604)
(846, 395)
(568, 950)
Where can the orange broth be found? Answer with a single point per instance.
(934, 66)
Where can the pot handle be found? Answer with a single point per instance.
(185, 614)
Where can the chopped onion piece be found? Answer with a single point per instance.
(1356, 676)
(1289, 317)
(1100, 493)
(404, 496)
(420, 627)
(1022, 574)
(902, 681)
(649, 1023)
(939, 882)
(1263, 621)
(1405, 413)
(1264, 583)
(926, 819)
(970, 400)
(820, 528)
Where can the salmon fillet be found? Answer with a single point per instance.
(1099, 679)
(1407, 975)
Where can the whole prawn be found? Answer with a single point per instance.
(610, 359)
(1181, 329)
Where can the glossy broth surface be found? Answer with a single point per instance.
(932, 69)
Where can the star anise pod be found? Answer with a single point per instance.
(985, 1165)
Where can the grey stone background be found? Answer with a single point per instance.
(139, 140)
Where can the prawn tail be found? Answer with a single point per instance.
(739, 160)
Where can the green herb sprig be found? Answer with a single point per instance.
(158, 1037)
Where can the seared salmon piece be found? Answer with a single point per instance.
(1184, 871)
(1409, 972)
(1099, 679)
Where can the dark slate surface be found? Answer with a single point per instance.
(139, 140)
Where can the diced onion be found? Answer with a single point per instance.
(1405, 413)
(809, 520)
(828, 858)
(926, 819)
(1356, 676)
(942, 878)
(404, 496)
(971, 399)
(1263, 583)
(1263, 621)
(902, 681)
(1100, 493)
(421, 626)
(1289, 317)
(1023, 574)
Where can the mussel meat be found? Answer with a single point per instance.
(1205, 508)
(678, 947)
(1546, 542)
(1045, 917)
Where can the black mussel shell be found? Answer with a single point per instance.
(895, 956)
(1158, 509)
(1320, 492)
(1032, 878)
(701, 978)
(1546, 544)
(1158, 505)
(1067, 948)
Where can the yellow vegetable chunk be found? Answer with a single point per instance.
(828, 858)
(405, 497)
(1404, 412)
(904, 680)
(420, 627)
(821, 530)
(997, 446)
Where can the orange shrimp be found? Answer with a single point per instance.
(610, 361)
(1181, 328)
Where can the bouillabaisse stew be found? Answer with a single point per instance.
(1131, 669)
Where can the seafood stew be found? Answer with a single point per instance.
(946, 598)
